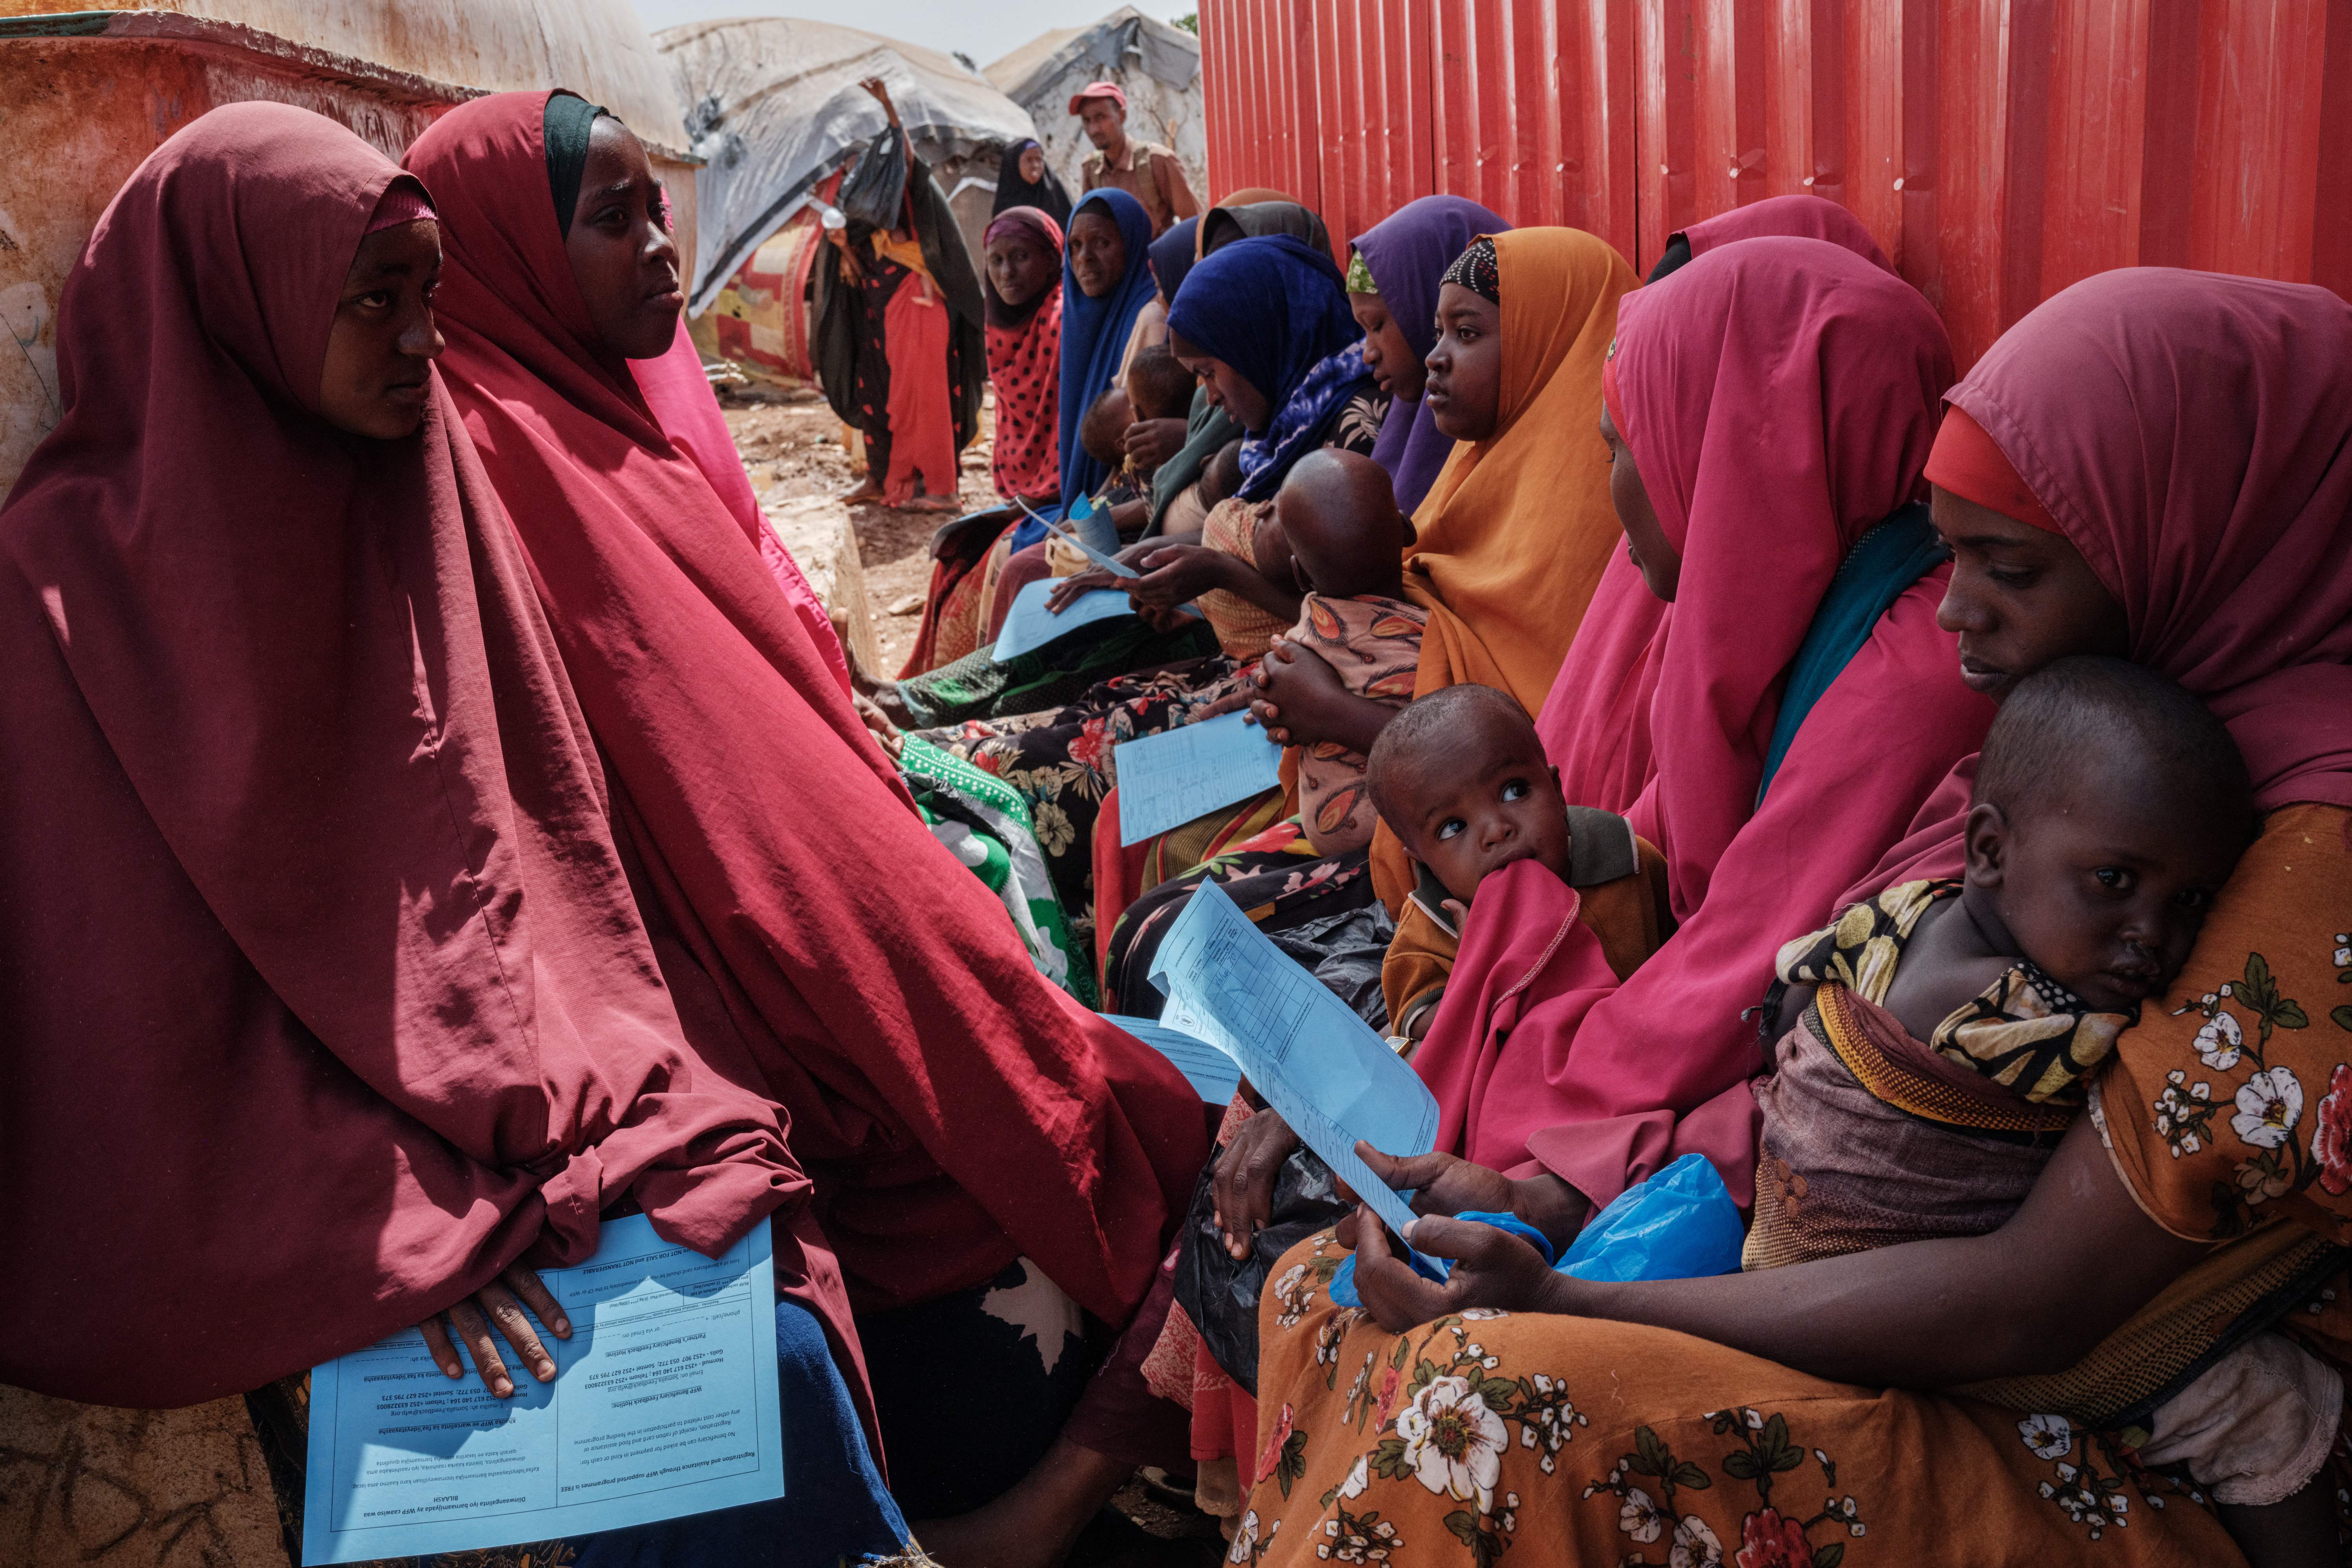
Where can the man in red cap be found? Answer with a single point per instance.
(1144, 170)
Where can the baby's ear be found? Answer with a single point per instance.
(1985, 839)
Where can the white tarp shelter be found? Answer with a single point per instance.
(1158, 67)
(772, 107)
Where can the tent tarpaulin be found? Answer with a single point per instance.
(1158, 66)
(772, 107)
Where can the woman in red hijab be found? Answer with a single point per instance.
(328, 1000)
(974, 1135)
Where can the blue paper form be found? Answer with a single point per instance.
(1094, 527)
(664, 1405)
(1030, 625)
(1110, 563)
(1209, 1070)
(1167, 780)
(1317, 1063)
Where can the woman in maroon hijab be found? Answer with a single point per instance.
(328, 1001)
(981, 1145)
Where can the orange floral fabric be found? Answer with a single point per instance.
(1491, 1437)
(2231, 1102)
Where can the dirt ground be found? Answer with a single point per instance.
(793, 450)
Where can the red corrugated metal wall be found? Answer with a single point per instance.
(1999, 148)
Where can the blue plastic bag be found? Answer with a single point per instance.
(1681, 1224)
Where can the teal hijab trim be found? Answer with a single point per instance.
(1882, 564)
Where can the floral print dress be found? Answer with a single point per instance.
(1488, 1437)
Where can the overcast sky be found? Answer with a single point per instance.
(986, 32)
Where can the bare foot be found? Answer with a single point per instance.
(867, 491)
(930, 503)
(1036, 1523)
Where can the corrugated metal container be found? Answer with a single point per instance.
(1998, 149)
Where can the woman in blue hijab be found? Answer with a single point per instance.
(1105, 282)
(1266, 323)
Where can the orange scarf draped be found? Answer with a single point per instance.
(1514, 535)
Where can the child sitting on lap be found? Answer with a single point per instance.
(1937, 1039)
(1463, 782)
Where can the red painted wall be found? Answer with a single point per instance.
(1998, 149)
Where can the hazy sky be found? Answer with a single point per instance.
(986, 32)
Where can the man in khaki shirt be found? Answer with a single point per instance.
(1144, 170)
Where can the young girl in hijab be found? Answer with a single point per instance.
(1506, 546)
(301, 774)
(1393, 282)
(822, 945)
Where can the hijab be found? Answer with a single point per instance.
(1798, 216)
(323, 980)
(1223, 226)
(824, 944)
(1048, 195)
(1024, 359)
(2190, 434)
(679, 397)
(1407, 254)
(1040, 230)
(1596, 724)
(1780, 396)
(1094, 339)
(1275, 311)
(1172, 254)
(1516, 529)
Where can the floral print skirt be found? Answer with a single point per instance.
(1060, 762)
(1489, 1436)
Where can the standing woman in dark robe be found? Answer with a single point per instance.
(900, 345)
(1024, 180)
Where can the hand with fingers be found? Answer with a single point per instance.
(1245, 1178)
(499, 1303)
(1491, 1267)
(1068, 588)
(1446, 1184)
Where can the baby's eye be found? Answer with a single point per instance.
(1449, 827)
(1517, 789)
(2195, 898)
(2116, 879)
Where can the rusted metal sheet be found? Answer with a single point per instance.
(1999, 148)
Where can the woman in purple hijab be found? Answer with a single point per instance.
(1392, 286)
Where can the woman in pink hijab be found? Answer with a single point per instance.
(1596, 725)
(2155, 464)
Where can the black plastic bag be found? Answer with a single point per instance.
(1220, 1292)
(873, 192)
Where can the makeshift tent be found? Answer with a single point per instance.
(773, 108)
(1158, 67)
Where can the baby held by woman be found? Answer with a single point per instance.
(1935, 1042)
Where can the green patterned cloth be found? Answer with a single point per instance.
(977, 686)
(985, 823)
